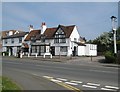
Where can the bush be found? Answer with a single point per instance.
(110, 57)
(6, 53)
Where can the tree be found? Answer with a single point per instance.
(105, 41)
(118, 38)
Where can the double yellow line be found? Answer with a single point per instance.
(66, 86)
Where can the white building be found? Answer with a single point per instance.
(61, 40)
(12, 43)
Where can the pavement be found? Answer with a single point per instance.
(97, 61)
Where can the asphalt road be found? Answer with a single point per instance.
(47, 75)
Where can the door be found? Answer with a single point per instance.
(11, 51)
(74, 51)
(52, 50)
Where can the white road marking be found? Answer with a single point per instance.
(55, 80)
(76, 81)
(49, 77)
(61, 79)
(71, 83)
(112, 87)
(34, 74)
(93, 84)
(88, 86)
(108, 89)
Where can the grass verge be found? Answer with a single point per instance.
(8, 85)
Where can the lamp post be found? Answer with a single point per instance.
(113, 18)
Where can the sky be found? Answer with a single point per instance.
(91, 18)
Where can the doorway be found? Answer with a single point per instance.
(74, 51)
(52, 50)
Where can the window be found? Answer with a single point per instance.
(33, 49)
(12, 40)
(60, 37)
(42, 38)
(33, 39)
(43, 49)
(75, 39)
(63, 48)
(20, 39)
(5, 41)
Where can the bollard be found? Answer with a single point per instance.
(35, 55)
(28, 55)
(91, 57)
(51, 56)
(20, 55)
(3, 54)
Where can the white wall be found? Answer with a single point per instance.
(58, 45)
(81, 50)
(13, 45)
(16, 42)
(91, 50)
(75, 34)
(14, 51)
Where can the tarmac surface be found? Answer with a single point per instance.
(97, 61)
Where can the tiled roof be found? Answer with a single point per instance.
(67, 29)
(32, 33)
(49, 33)
(80, 44)
(22, 34)
(4, 33)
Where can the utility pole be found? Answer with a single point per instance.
(113, 19)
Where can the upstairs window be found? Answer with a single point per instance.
(12, 40)
(20, 40)
(33, 39)
(5, 41)
(42, 38)
(60, 37)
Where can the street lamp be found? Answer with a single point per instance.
(113, 18)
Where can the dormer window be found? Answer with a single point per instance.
(5, 41)
(60, 36)
(42, 38)
(33, 39)
(12, 40)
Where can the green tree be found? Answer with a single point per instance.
(104, 42)
(118, 38)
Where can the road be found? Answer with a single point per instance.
(48, 75)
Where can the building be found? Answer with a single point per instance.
(13, 41)
(60, 40)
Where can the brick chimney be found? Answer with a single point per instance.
(43, 27)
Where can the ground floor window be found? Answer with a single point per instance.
(38, 49)
(33, 49)
(43, 48)
(63, 48)
(18, 49)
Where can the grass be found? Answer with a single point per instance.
(8, 85)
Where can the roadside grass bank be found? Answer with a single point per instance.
(7, 85)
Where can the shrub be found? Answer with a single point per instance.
(110, 57)
(6, 53)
